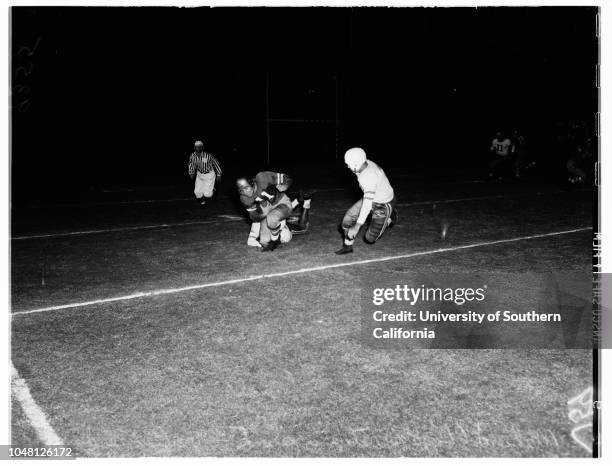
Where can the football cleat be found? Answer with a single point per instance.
(346, 249)
(297, 230)
(392, 219)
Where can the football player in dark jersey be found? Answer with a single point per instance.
(269, 207)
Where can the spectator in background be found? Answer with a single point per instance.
(580, 163)
(522, 163)
(205, 168)
(501, 147)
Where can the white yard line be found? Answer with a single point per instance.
(110, 203)
(141, 201)
(485, 198)
(37, 418)
(115, 230)
(462, 199)
(146, 294)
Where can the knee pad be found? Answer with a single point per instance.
(345, 225)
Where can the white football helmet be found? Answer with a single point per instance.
(355, 158)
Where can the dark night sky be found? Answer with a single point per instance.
(123, 92)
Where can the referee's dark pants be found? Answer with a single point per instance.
(381, 214)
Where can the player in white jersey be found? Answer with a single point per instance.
(378, 199)
(501, 145)
(502, 148)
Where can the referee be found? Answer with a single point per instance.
(205, 168)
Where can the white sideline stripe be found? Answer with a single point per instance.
(35, 415)
(484, 198)
(114, 230)
(231, 217)
(145, 294)
(141, 201)
(450, 201)
(111, 203)
(463, 199)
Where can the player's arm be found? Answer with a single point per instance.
(216, 166)
(254, 209)
(270, 194)
(366, 207)
(369, 188)
(255, 212)
(368, 185)
(191, 166)
(283, 182)
(267, 178)
(252, 240)
(263, 181)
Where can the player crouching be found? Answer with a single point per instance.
(269, 207)
(378, 199)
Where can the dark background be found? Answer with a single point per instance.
(115, 97)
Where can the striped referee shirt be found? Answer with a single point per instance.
(203, 163)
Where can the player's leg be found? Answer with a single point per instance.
(508, 168)
(285, 234)
(302, 224)
(494, 167)
(264, 234)
(254, 234)
(383, 216)
(519, 164)
(199, 188)
(274, 223)
(577, 175)
(305, 214)
(208, 180)
(349, 220)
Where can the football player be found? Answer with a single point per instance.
(580, 164)
(378, 200)
(501, 147)
(269, 207)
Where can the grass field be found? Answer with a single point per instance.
(259, 359)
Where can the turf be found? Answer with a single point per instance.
(276, 367)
